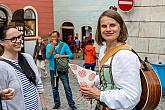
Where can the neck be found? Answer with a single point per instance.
(111, 45)
(9, 55)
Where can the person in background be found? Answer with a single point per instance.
(39, 56)
(51, 54)
(120, 85)
(18, 71)
(71, 43)
(90, 56)
(46, 41)
(77, 47)
(90, 36)
(83, 45)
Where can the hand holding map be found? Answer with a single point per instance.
(84, 76)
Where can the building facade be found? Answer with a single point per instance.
(145, 22)
(32, 17)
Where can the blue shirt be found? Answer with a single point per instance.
(64, 51)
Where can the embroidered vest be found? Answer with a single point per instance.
(106, 78)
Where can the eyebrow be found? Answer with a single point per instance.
(18, 35)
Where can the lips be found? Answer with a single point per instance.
(109, 34)
(17, 45)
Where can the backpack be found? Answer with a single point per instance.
(151, 88)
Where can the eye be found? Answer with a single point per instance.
(19, 37)
(14, 38)
(103, 26)
(112, 25)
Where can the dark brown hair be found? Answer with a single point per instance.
(58, 34)
(27, 70)
(3, 31)
(116, 16)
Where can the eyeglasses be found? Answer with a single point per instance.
(15, 39)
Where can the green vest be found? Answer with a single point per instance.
(106, 79)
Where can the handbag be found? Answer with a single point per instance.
(62, 63)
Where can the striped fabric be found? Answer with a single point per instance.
(31, 98)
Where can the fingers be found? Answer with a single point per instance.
(57, 56)
(8, 94)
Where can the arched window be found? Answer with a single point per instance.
(30, 23)
(3, 17)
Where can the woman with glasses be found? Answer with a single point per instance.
(18, 71)
(119, 81)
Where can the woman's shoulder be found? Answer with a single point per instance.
(27, 56)
(5, 66)
(125, 56)
(126, 53)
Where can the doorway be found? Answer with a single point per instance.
(86, 31)
(67, 30)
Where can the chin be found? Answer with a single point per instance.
(18, 50)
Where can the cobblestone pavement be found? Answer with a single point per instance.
(81, 104)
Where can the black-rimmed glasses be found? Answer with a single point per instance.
(15, 39)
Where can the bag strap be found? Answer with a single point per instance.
(0, 104)
(112, 52)
(13, 65)
(59, 49)
(118, 48)
(17, 68)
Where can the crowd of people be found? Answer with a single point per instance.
(21, 86)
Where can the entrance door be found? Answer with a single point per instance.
(67, 30)
(66, 33)
(86, 31)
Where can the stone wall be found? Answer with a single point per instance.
(146, 25)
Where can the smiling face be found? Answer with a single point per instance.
(110, 29)
(13, 40)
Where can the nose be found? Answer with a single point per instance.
(108, 28)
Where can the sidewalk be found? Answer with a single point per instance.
(81, 104)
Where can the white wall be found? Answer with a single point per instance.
(79, 12)
(30, 45)
(145, 22)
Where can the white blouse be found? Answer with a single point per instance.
(126, 75)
